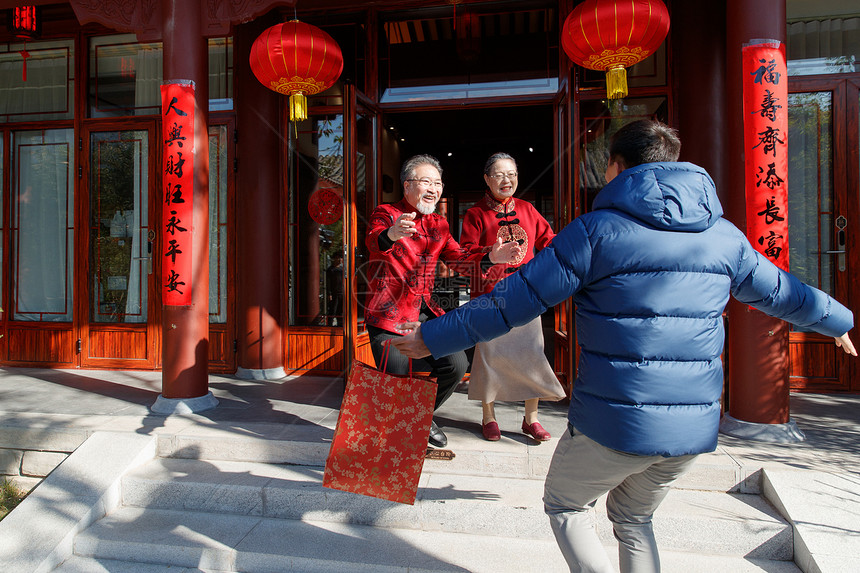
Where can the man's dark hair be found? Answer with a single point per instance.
(644, 141)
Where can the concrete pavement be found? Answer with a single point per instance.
(45, 414)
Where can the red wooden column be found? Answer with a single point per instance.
(185, 327)
(701, 85)
(259, 217)
(758, 405)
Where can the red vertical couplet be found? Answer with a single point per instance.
(177, 117)
(765, 87)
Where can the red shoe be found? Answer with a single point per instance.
(536, 431)
(491, 431)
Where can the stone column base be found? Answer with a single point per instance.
(787, 433)
(261, 373)
(169, 406)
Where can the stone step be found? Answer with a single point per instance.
(77, 564)
(514, 455)
(249, 544)
(702, 521)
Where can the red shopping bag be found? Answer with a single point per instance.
(381, 436)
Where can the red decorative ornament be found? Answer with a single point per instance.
(325, 206)
(24, 22)
(611, 35)
(296, 59)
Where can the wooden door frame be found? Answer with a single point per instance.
(846, 182)
(852, 151)
(357, 344)
(81, 316)
(227, 333)
(566, 209)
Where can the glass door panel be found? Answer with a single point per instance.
(218, 223)
(365, 177)
(316, 223)
(222, 333)
(42, 225)
(810, 199)
(120, 245)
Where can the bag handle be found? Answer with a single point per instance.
(386, 351)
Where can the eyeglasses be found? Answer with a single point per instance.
(499, 176)
(424, 182)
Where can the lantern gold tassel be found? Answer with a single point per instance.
(616, 82)
(298, 107)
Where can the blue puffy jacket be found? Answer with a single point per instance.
(650, 269)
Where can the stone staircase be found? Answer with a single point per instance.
(208, 503)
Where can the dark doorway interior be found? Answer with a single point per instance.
(463, 139)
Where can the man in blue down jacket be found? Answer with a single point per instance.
(650, 269)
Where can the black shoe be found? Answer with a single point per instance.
(437, 437)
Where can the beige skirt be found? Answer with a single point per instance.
(513, 367)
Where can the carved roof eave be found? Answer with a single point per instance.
(143, 17)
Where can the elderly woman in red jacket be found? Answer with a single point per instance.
(512, 367)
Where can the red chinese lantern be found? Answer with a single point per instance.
(296, 59)
(611, 35)
(24, 22)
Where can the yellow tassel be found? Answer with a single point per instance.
(616, 82)
(298, 107)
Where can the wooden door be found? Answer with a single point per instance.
(117, 314)
(823, 219)
(39, 243)
(222, 245)
(362, 196)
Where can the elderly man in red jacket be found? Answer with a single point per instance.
(406, 240)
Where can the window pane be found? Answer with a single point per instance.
(465, 51)
(351, 39)
(598, 121)
(220, 74)
(316, 171)
(823, 43)
(120, 257)
(37, 81)
(365, 182)
(218, 224)
(42, 225)
(126, 75)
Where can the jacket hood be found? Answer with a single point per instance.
(675, 196)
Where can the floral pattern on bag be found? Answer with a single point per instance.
(381, 436)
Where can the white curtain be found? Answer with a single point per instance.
(830, 46)
(135, 304)
(47, 88)
(218, 224)
(43, 225)
(147, 79)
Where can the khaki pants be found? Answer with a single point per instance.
(580, 472)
